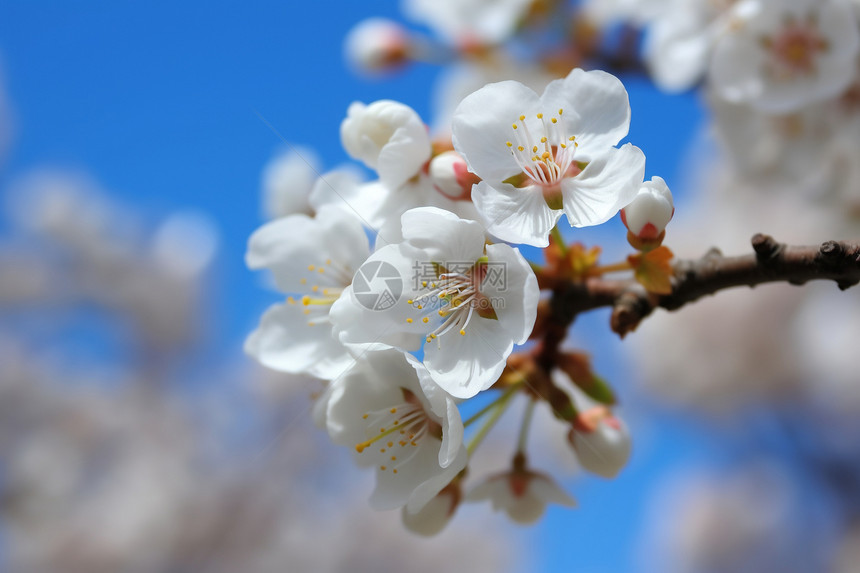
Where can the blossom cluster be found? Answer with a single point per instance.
(405, 328)
(440, 312)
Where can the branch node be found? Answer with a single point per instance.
(766, 248)
(831, 250)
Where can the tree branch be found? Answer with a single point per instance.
(770, 262)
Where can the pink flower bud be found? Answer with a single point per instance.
(451, 177)
(377, 44)
(650, 211)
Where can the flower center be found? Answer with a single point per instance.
(455, 295)
(323, 284)
(547, 157)
(396, 432)
(794, 50)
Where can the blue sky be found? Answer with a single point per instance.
(157, 102)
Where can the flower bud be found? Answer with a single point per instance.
(648, 214)
(377, 44)
(601, 441)
(451, 177)
(387, 136)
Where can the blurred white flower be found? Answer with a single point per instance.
(521, 493)
(467, 22)
(287, 182)
(377, 44)
(680, 40)
(781, 55)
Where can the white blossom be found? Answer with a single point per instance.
(680, 40)
(781, 55)
(468, 301)
(466, 22)
(377, 44)
(541, 156)
(521, 493)
(311, 260)
(400, 423)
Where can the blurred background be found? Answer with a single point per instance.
(136, 436)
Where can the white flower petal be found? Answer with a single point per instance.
(520, 284)
(550, 492)
(601, 105)
(482, 124)
(431, 487)
(677, 48)
(515, 215)
(433, 517)
(607, 184)
(443, 236)
(466, 365)
(289, 246)
(357, 320)
(284, 341)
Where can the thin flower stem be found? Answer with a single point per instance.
(524, 428)
(488, 425)
(503, 396)
(556, 235)
(617, 267)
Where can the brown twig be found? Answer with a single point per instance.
(770, 262)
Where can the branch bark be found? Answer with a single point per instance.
(769, 262)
